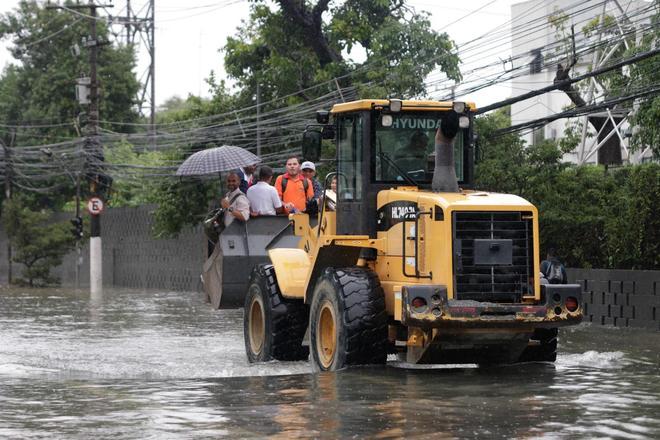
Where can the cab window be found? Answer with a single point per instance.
(349, 166)
(406, 145)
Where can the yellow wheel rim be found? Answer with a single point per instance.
(257, 325)
(326, 330)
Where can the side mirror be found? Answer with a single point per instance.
(311, 145)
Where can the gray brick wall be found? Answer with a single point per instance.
(622, 298)
(131, 256)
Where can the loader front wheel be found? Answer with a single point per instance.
(273, 326)
(348, 322)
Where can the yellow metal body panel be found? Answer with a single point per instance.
(435, 239)
(407, 105)
(292, 267)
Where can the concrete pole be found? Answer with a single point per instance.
(95, 247)
(8, 170)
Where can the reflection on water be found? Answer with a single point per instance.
(163, 365)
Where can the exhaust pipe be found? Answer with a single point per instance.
(444, 174)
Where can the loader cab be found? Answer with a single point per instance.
(384, 144)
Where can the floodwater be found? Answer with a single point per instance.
(164, 365)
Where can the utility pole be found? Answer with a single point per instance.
(95, 150)
(95, 248)
(8, 177)
(258, 118)
(152, 69)
(133, 23)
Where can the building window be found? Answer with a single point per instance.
(536, 64)
(538, 135)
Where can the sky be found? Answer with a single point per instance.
(191, 33)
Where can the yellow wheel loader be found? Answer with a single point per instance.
(403, 258)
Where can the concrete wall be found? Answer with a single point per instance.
(622, 298)
(131, 256)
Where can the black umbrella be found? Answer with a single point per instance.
(215, 160)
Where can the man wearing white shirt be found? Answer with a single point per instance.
(263, 197)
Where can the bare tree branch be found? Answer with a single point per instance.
(311, 23)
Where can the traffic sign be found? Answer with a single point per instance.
(95, 206)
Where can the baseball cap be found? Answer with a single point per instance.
(308, 166)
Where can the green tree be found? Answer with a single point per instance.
(291, 47)
(633, 227)
(38, 245)
(37, 92)
(42, 82)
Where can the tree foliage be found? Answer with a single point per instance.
(37, 91)
(40, 87)
(383, 47)
(38, 245)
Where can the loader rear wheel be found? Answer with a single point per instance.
(273, 326)
(545, 349)
(348, 322)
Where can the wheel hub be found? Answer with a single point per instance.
(257, 326)
(326, 343)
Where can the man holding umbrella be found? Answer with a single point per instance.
(212, 161)
(235, 203)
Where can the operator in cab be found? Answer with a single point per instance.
(412, 158)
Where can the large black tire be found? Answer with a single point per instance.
(273, 326)
(546, 348)
(348, 321)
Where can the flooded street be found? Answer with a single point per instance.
(164, 365)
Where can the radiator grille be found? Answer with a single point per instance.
(496, 283)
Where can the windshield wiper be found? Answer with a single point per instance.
(403, 174)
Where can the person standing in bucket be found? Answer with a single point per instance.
(264, 199)
(293, 188)
(309, 170)
(235, 203)
(235, 206)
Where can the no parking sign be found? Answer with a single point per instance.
(95, 206)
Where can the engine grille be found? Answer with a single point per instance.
(500, 282)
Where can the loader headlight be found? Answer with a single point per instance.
(395, 105)
(459, 107)
(464, 122)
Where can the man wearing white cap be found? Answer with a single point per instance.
(309, 170)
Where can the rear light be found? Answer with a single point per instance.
(418, 304)
(571, 304)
